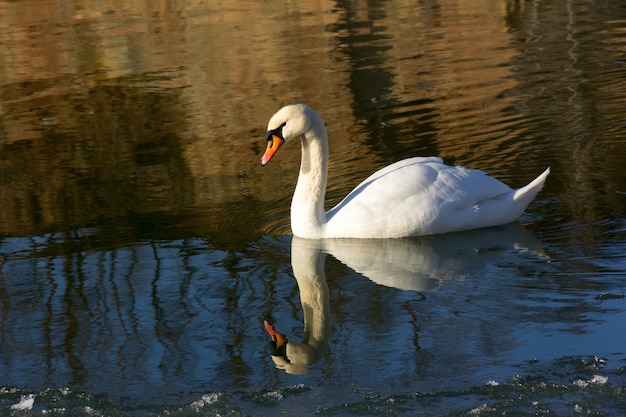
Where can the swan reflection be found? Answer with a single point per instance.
(425, 263)
(307, 262)
(412, 264)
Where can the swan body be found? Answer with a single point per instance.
(412, 197)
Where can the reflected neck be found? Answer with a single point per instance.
(308, 262)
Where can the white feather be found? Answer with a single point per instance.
(415, 196)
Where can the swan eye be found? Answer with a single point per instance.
(276, 132)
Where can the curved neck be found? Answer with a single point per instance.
(307, 262)
(307, 207)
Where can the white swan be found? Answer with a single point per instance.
(415, 196)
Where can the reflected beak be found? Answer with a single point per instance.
(278, 345)
(273, 143)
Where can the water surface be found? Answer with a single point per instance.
(142, 245)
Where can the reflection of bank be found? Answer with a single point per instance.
(113, 155)
(411, 264)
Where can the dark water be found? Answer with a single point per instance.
(142, 246)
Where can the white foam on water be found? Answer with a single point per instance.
(26, 403)
(90, 411)
(207, 399)
(597, 379)
(478, 410)
(274, 395)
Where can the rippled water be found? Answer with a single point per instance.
(142, 246)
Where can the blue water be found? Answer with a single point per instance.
(143, 247)
(176, 327)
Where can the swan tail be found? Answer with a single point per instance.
(529, 191)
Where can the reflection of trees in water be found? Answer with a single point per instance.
(152, 314)
(185, 313)
(367, 37)
(107, 153)
(568, 91)
(115, 157)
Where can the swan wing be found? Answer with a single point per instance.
(420, 196)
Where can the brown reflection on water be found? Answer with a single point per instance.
(117, 109)
(112, 110)
(104, 153)
(569, 79)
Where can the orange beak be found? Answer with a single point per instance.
(277, 338)
(273, 143)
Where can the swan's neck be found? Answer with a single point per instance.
(307, 261)
(307, 207)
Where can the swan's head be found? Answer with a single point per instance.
(294, 358)
(289, 122)
(278, 345)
